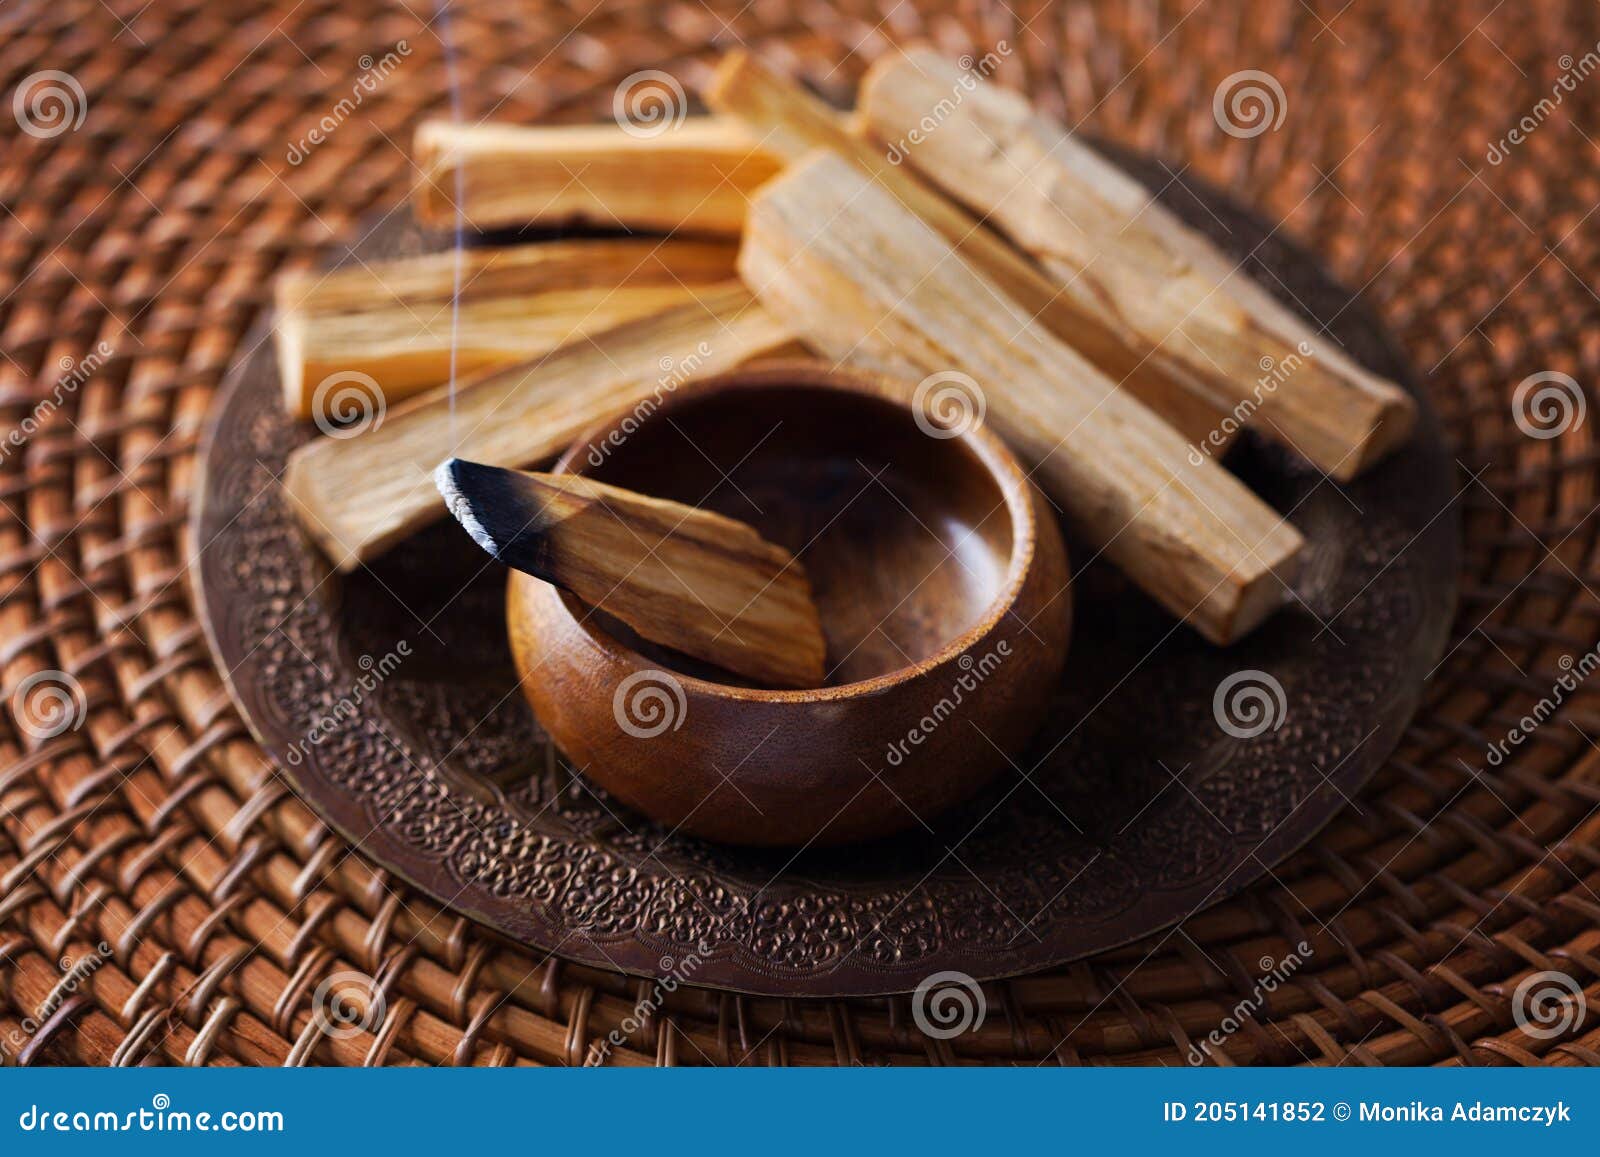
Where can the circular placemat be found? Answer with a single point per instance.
(157, 828)
(389, 699)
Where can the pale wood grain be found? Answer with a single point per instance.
(836, 255)
(403, 323)
(788, 123)
(358, 496)
(1133, 270)
(690, 579)
(695, 177)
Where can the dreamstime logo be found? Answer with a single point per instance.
(155, 1119)
(1549, 1004)
(1249, 703)
(48, 703)
(947, 1004)
(649, 703)
(347, 1004)
(948, 404)
(49, 103)
(649, 103)
(1249, 103)
(1548, 404)
(347, 403)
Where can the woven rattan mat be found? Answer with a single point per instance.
(165, 899)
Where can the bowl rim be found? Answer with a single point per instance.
(813, 373)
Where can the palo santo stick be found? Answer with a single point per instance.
(696, 176)
(1160, 288)
(488, 271)
(406, 350)
(833, 253)
(358, 496)
(394, 320)
(698, 582)
(789, 123)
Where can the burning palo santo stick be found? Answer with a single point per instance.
(695, 176)
(790, 123)
(1136, 272)
(396, 321)
(833, 253)
(698, 582)
(358, 496)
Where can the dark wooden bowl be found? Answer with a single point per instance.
(939, 574)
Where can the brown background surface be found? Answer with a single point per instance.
(160, 829)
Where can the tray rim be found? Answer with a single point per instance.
(750, 979)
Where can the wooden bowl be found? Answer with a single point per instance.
(939, 574)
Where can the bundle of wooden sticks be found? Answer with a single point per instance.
(946, 226)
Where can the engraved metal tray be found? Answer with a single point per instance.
(1169, 775)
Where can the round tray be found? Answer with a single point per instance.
(1154, 789)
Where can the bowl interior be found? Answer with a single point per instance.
(907, 538)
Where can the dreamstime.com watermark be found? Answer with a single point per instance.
(1573, 674)
(973, 71)
(1273, 974)
(675, 971)
(74, 373)
(373, 74)
(674, 373)
(75, 973)
(1574, 73)
(373, 673)
(973, 674)
(1273, 374)
(159, 1117)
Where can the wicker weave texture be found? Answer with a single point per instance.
(156, 827)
